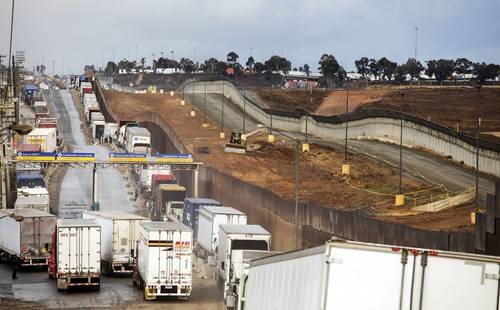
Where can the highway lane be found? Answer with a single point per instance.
(76, 187)
(426, 166)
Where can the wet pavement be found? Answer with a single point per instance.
(76, 187)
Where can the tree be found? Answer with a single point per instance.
(362, 66)
(441, 69)
(259, 67)
(400, 73)
(331, 70)
(232, 57)
(187, 65)
(387, 68)
(462, 66)
(126, 65)
(374, 67)
(278, 63)
(413, 68)
(485, 72)
(250, 63)
(42, 69)
(111, 68)
(307, 70)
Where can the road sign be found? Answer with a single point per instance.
(75, 157)
(174, 158)
(127, 157)
(35, 156)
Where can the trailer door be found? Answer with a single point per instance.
(455, 283)
(367, 278)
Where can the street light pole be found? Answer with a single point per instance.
(297, 180)
(478, 124)
(401, 143)
(244, 109)
(416, 36)
(346, 123)
(205, 104)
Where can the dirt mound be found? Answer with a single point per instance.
(292, 99)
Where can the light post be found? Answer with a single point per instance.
(172, 52)
(205, 124)
(193, 113)
(222, 133)
(346, 121)
(478, 124)
(400, 196)
(244, 109)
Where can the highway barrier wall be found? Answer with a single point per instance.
(376, 124)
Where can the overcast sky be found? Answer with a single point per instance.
(302, 30)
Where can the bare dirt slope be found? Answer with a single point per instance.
(272, 165)
(335, 103)
(292, 99)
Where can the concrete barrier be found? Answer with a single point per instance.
(379, 124)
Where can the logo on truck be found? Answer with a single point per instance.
(183, 245)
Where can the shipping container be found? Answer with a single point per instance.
(76, 255)
(191, 210)
(25, 147)
(353, 275)
(45, 137)
(164, 251)
(40, 203)
(210, 219)
(119, 234)
(233, 240)
(26, 235)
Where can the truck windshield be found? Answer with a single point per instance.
(260, 245)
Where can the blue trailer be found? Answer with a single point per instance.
(191, 209)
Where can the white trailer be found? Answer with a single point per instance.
(233, 240)
(110, 132)
(119, 234)
(147, 172)
(98, 126)
(209, 220)
(353, 275)
(26, 235)
(40, 203)
(78, 253)
(138, 140)
(46, 137)
(164, 265)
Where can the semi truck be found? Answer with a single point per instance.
(191, 211)
(98, 126)
(163, 266)
(122, 132)
(119, 234)
(169, 202)
(46, 137)
(25, 236)
(76, 254)
(31, 184)
(233, 240)
(210, 219)
(138, 140)
(146, 174)
(354, 275)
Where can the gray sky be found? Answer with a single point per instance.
(302, 30)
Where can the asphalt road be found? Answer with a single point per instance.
(76, 187)
(426, 166)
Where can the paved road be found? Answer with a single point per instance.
(76, 187)
(428, 167)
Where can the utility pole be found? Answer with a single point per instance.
(244, 108)
(478, 125)
(297, 185)
(2, 68)
(346, 121)
(172, 52)
(53, 65)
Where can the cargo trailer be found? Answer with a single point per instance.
(122, 131)
(40, 107)
(163, 265)
(169, 202)
(138, 140)
(233, 240)
(110, 132)
(210, 219)
(40, 203)
(354, 275)
(26, 235)
(45, 137)
(31, 184)
(76, 254)
(191, 211)
(89, 113)
(146, 174)
(119, 234)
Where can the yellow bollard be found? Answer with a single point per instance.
(193, 113)
(346, 169)
(172, 93)
(473, 218)
(183, 102)
(270, 138)
(400, 200)
(161, 90)
(243, 137)
(305, 147)
(205, 125)
(222, 135)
